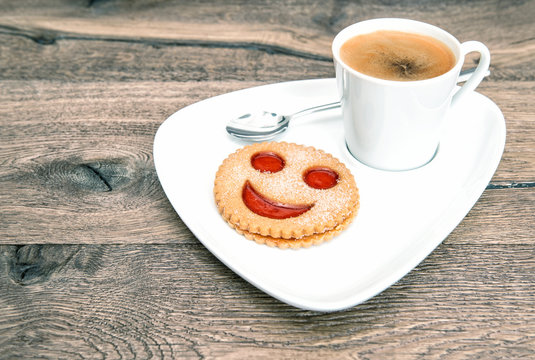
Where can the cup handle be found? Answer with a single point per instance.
(481, 69)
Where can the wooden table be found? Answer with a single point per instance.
(95, 263)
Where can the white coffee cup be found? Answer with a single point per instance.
(396, 125)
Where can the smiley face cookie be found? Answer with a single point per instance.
(285, 195)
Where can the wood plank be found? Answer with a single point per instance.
(518, 110)
(501, 216)
(76, 61)
(465, 300)
(87, 176)
(156, 19)
(271, 28)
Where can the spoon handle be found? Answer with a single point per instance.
(314, 109)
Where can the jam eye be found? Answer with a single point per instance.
(320, 178)
(267, 162)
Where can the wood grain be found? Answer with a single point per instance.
(94, 262)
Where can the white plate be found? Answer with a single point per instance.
(402, 218)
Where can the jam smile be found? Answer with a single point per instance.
(263, 206)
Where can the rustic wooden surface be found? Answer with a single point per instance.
(94, 262)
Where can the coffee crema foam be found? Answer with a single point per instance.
(396, 55)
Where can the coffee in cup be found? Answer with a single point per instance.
(397, 55)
